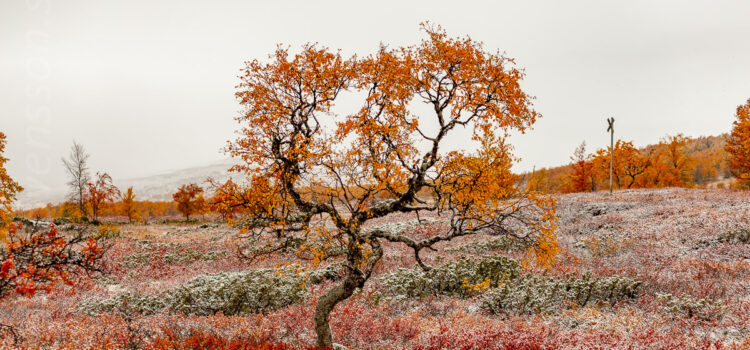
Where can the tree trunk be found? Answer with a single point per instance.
(328, 301)
(632, 181)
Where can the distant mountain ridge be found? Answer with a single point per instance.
(158, 187)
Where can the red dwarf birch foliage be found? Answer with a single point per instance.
(321, 176)
(40, 260)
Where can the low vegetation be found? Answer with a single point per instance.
(230, 293)
(363, 230)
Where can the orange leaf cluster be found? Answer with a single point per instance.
(738, 145)
(8, 191)
(100, 193)
(189, 199)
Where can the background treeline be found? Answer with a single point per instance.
(143, 210)
(676, 161)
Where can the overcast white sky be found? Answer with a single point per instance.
(148, 86)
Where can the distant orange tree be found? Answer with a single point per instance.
(189, 199)
(674, 164)
(629, 165)
(738, 145)
(582, 177)
(128, 205)
(538, 181)
(633, 164)
(100, 193)
(317, 177)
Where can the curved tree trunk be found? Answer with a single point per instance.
(328, 301)
(632, 181)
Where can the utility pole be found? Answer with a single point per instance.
(611, 129)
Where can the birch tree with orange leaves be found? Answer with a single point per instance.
(318, 176)
(100, 193)
(128, 205)
(629, 164)
(189, 199)
(676, 164)
(582, 178)
(738, 145)
(8, 191)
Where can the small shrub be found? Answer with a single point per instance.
(188, 256)
(739, 236)
(687, 305)
(451, 278)
(232, 293)
(135, 260)
(61, 221)
(176, 255)
(330, 272)
(496, 244)
(606, 246)
(530, 294)
(107, 231)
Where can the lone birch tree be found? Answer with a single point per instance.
(317, 177)
(78, 170)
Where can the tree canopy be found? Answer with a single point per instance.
(317, 177)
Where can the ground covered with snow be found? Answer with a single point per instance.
(642, 269)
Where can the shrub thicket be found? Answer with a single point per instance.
(505, 289)
(496, 244)
(530, 294)
(690, 306)
(739, 236)
(251, 291)
(450, 278)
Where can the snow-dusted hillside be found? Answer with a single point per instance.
(155, 187)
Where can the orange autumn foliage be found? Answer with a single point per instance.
(128, 205)
(308, 165)
(738, 145)
(676, 165)
(141, 210)
(629, 165)
(582, 177)
(701, 162)
(632, 163)
(40, 260)
(189, 199)
(231, 199)
(8, 191)
(100, 193)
